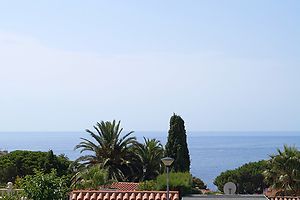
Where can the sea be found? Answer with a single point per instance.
(211, 152)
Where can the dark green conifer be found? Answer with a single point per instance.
(176, 146)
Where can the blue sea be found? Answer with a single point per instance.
(211, 152)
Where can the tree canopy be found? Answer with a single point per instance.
(109, 149)
(90, 178)
(176, 146)
(41, 186)
(149, 158)
(21, 163)
(248, 178)
(283, 172)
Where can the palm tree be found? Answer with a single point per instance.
(90, 178)
(109, 149)
(284, 171)
(149, 158)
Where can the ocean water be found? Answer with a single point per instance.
(211, 152)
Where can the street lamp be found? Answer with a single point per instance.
(167, 162)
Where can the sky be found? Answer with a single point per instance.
(221, 65)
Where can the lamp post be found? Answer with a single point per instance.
(167, 162)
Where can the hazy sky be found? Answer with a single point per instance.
(221, 65)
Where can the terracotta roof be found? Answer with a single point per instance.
(125, 186)
(122, 195)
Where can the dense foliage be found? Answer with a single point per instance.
(11, 197)
(21, 163)
(283, 172)
(113, 156)
(248, 178)
(179, 181)
(197, 183)
(121, 155)
(149, 158)
(41, 186)
(176, 146)
(109, 149)
(149, 185)
(90, 178)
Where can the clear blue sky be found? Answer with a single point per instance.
(221, 65)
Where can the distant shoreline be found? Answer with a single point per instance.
(211, 152)
(189, 133)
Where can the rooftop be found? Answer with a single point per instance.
(121, 195)
(124, 186)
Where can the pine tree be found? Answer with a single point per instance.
(176, 146)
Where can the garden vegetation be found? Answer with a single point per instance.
(248, 178)
(280, 173)
(111, 155)
(18, 164)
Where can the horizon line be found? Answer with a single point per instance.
(188, 131)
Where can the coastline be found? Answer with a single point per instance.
(210, 155)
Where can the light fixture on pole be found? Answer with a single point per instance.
(167, 162)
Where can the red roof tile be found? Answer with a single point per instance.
(121, 195)
(124, 186)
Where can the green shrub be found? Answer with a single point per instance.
(283, 173)
(148, 185)
(179, 181)
(90, 178)
(248, 178)
(21, 163)
(41, 186)
(198, 183)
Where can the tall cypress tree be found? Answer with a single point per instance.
(176, 146)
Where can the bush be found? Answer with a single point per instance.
(283, 173)
(21, 163)
(148, 185)
(198, 183)
(248, 178)
(41, 186)
(179, 181)
(90, 178)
